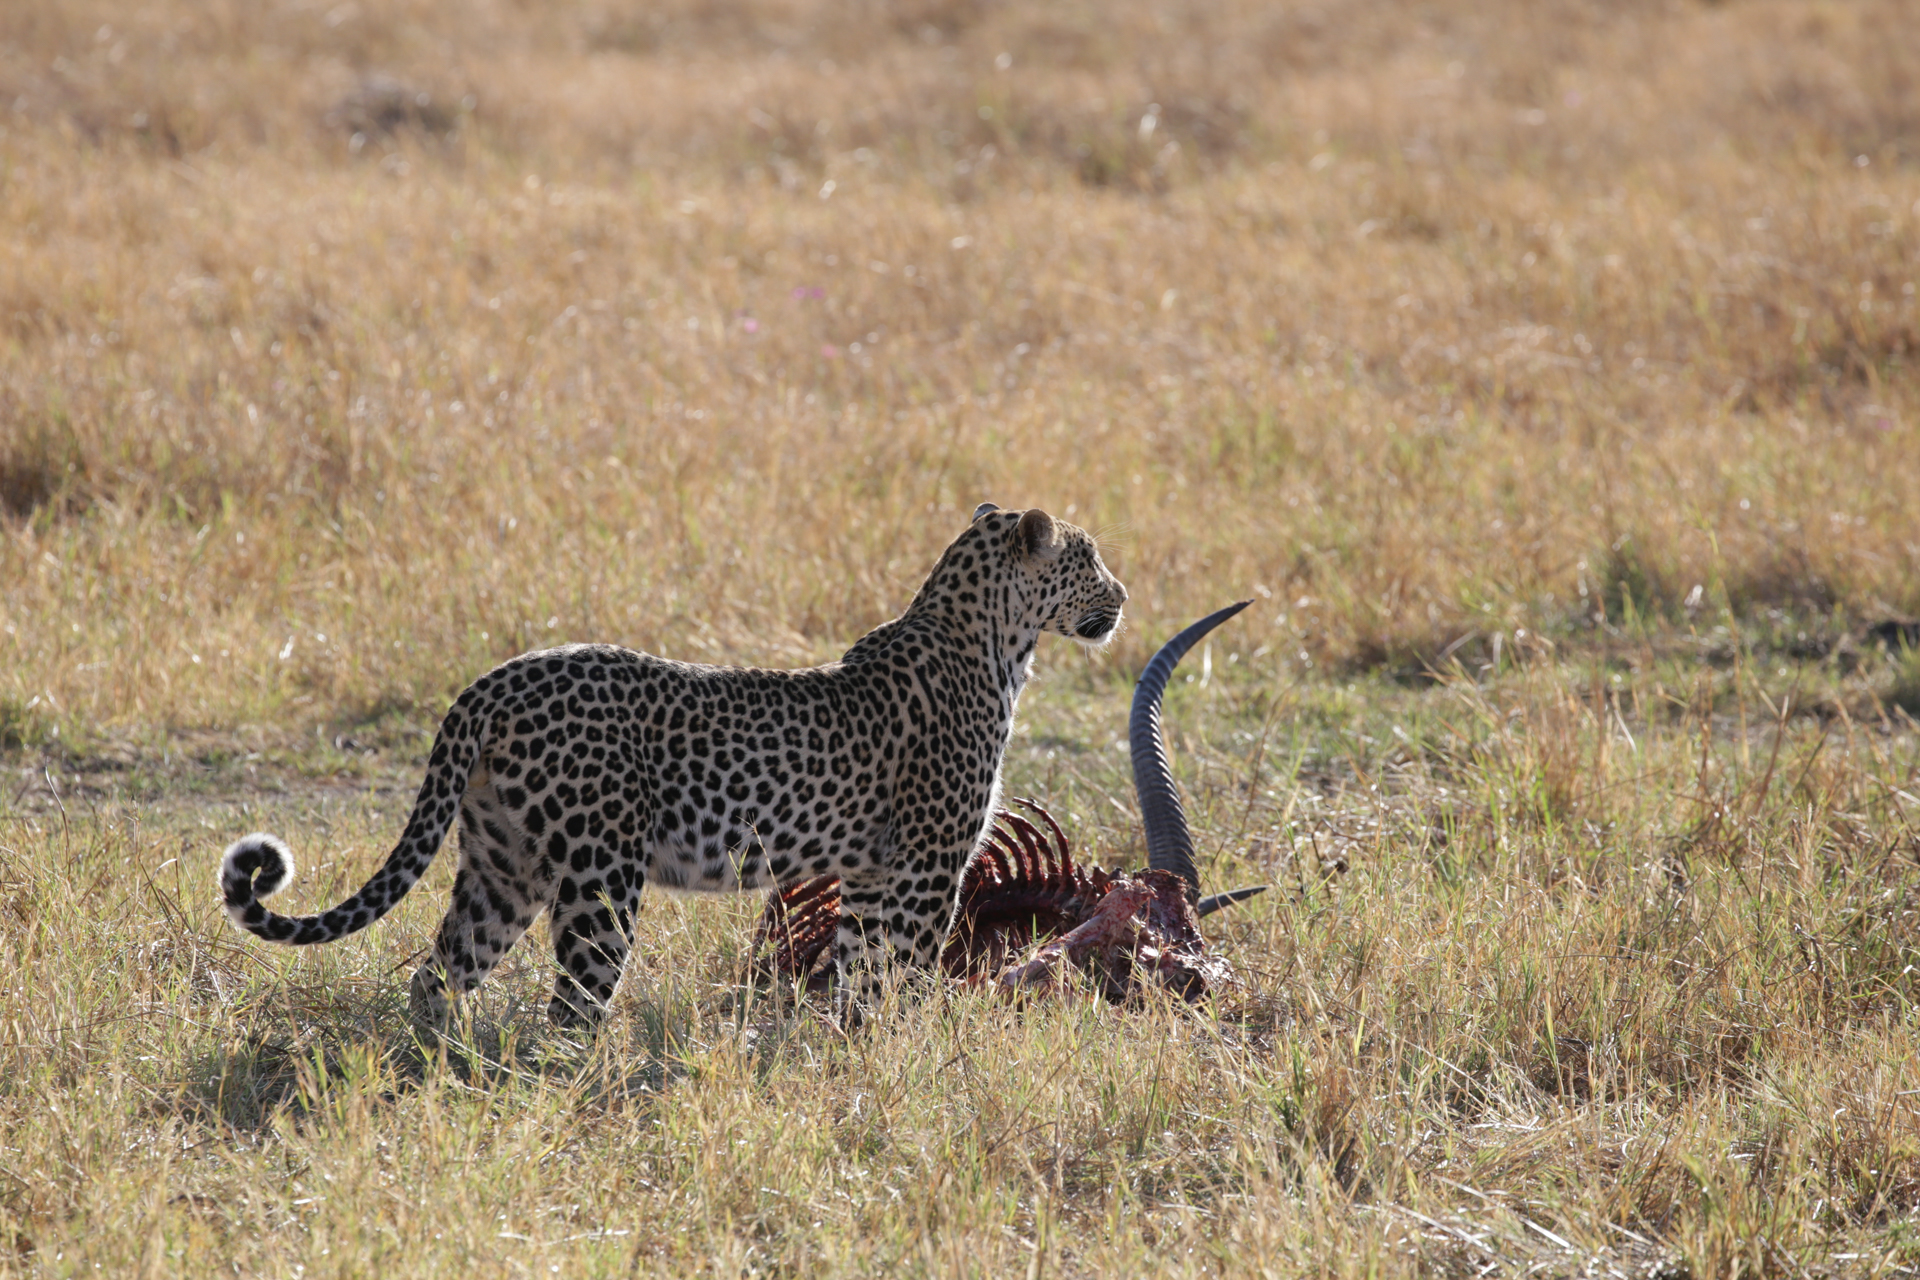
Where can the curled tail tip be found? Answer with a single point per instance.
(254, 867)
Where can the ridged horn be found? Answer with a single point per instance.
(1214, 901)
(1169, 842)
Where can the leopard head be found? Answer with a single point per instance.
(1050, 576)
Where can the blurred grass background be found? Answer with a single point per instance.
(350, 348)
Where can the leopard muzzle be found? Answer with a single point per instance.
(1097, 624)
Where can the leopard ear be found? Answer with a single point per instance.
(1038, 536)
(983, 508)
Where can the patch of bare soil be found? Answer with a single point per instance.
(199, 769)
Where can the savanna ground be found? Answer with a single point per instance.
(1545, 372)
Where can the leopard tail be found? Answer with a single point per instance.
(260, 865)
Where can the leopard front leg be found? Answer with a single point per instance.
(892, 925)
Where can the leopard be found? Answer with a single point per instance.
(581, 774)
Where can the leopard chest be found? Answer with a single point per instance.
(960, 713)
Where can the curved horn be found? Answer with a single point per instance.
(1214, 901)
(1169, 843)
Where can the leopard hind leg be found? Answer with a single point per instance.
(498, 890)
(594, 908)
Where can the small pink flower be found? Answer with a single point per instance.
(750, 325)
(830, 351)
(804, 291)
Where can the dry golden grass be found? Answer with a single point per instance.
(1540, 990)
(1564, 354)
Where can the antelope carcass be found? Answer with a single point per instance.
(1114, 932)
